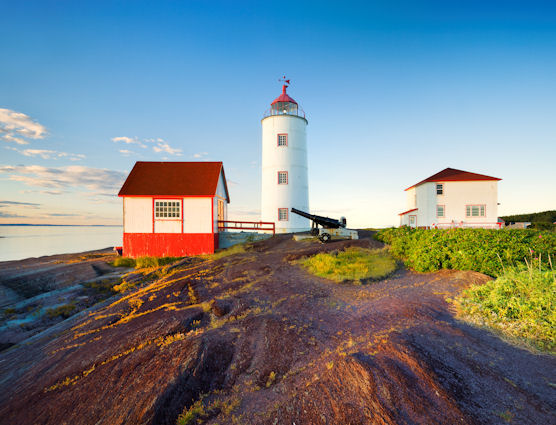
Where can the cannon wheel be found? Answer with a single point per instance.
(325, 237)
(314, 231)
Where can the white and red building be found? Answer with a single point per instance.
(173, 208)
(452, 198)
(284, 165)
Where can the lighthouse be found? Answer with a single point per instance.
(284, 164)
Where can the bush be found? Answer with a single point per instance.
(481, 250)
(520, 303)
(352, 264)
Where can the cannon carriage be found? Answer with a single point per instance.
(329, 227)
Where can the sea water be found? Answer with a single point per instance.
(19, 242)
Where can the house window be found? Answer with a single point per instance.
(282, 140)
(440, 211)
(282, 177)
(282, 214)
(440, 188)
(167, 209)
(475, 210)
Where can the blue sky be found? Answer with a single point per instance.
(394, 92)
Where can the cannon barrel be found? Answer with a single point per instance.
(327, 222)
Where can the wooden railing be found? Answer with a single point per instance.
(265, 226)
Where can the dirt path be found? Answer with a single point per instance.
(262, 342)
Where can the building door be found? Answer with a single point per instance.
(412, 221)
(221, 209)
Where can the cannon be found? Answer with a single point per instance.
(329, 226)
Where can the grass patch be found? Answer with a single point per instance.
(144, 262)
(520, 303)
(221, 253)
(64, 311)
(355, 264)
(124, 262)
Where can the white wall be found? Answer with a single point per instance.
(459, 194)
(426, 202)
(410, 199)
(167, 226)
(138, 215)
(197, 215)
(291, 158)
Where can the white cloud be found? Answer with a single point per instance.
(129, 141)
(48, 154)
(162, 146)
(16, 127)
(200, 155)
(95, 180)
(126, 152)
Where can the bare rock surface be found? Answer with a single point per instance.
(254, 339)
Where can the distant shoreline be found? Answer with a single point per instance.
(62, 225)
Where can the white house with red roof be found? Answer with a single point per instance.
(452, 198)
(173, 208)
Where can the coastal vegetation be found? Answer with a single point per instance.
(541, 221)
(351, 264)
(481, 250)
(520, 303)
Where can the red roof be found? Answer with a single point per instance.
(453, 175)
(408, 211)
(284, 97)
(174, 179)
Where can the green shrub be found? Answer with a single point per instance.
(482, 250)
(520, 303)
(124, 262)
(543, 226)
(352, 264)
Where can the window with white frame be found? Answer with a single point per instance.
(440, 188)
(282, 214)
(475, 210)
(167, 209)
(440, 211)
(282, 140)
(282, 177)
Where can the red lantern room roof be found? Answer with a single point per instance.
(284, 97)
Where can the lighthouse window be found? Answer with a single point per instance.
(282, 140)
(282, 214)
(282, 177)
(167, 209)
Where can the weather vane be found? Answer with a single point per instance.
(284, 80)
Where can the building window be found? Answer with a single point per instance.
(475, 210)
(167, 209)
(282, 214)
(282, 177)
(440, 211)
(282, 140)
(440, 188)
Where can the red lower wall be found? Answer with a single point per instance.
(168, 244)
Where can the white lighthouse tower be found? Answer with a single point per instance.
(284, 165)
